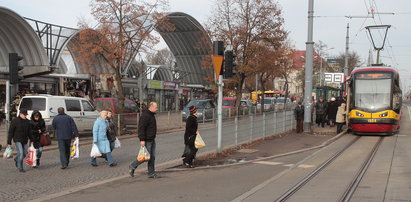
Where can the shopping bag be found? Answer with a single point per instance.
(75, 152)
(143, 154)
(95, 152)
(8, 153)
(117, 143)
(45, 139)
(31, 159)
(199, 142)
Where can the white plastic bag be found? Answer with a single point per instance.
(8, 153)
(117, 143)
(199, 142)
(95, 152)
(31, 159)
(75, 152)
(143, 154)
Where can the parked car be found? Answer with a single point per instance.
(80, 109)
(280, 104)
(129, 109)
(269, 103)
(205, 109)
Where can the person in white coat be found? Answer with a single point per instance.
(340, 118)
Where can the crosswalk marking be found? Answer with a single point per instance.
(272, 163)
(269, 163)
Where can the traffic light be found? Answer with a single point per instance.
(229, 64)
(14, 68)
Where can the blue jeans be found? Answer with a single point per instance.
(107, 156)
(39, 151)
(21, 153)
(64, 147)
(151, 147)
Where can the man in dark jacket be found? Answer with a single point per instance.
(147, 130)
(20, 132)
(65, 130)
(190, 135)
(299, 117)
(320, 112)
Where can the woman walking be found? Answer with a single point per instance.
(38, 127)
(111, 130)
(189, 138)
(340, 118)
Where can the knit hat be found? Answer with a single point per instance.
(192, 109)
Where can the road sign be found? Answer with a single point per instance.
(334, 77)
(218, 64)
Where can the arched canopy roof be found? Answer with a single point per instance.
(17, 36)
(189, 43)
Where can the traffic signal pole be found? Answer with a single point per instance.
(219, 112)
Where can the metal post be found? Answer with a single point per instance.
(229, 113)
(7, 107)
(236, 130)
(275, 122)
(309, 69)
(264, 125)
(347, 39)
(251, 128)
(219, 112)
(285, 120)
(118, 124)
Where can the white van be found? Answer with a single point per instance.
(80, 109)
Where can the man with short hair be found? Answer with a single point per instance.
(65, 130)
(147, 130)
(20, 132)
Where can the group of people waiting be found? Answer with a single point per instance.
(23, 131)
(331, 113)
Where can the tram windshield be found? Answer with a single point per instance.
(372, 94)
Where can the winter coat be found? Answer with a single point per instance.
(65, 127)
(299, 112)
(191, 130)
(19, 131)
(321, 108)
(147, 126)
(37, 125)
(340, 118)
(100, 135)
(332, 109)
(112, 130)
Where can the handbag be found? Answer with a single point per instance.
(45, 139)
(199, 142)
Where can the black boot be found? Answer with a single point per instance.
(38, 162)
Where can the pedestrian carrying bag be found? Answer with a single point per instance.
(31, 159)
(143, 154)
(45, 139)
(8, 153)
(199, 142)
(75, 152)
(117, 143)
(95, 152)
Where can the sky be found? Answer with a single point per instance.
(330, 23)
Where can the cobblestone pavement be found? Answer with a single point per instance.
(49, 178)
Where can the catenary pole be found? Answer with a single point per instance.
(347, 39)
(309, 69)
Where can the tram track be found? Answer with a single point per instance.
(351, 188)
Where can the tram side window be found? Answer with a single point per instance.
(397, 101)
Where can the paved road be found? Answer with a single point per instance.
(49, 178)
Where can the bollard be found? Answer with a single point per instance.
(203, 116)
(275, 122)
(251, 128)
(229, 113)
(236, 130)
(263, 125)
(285, 120)
(214, 119)
(168, 120)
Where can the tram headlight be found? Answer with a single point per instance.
(359, 114)
(385, 114)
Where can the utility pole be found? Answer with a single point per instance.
(347, 38)
(309, 69)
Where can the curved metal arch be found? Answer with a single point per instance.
(17, 36)
(189, 43)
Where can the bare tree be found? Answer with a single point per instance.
(162, 57)
(245, 24)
